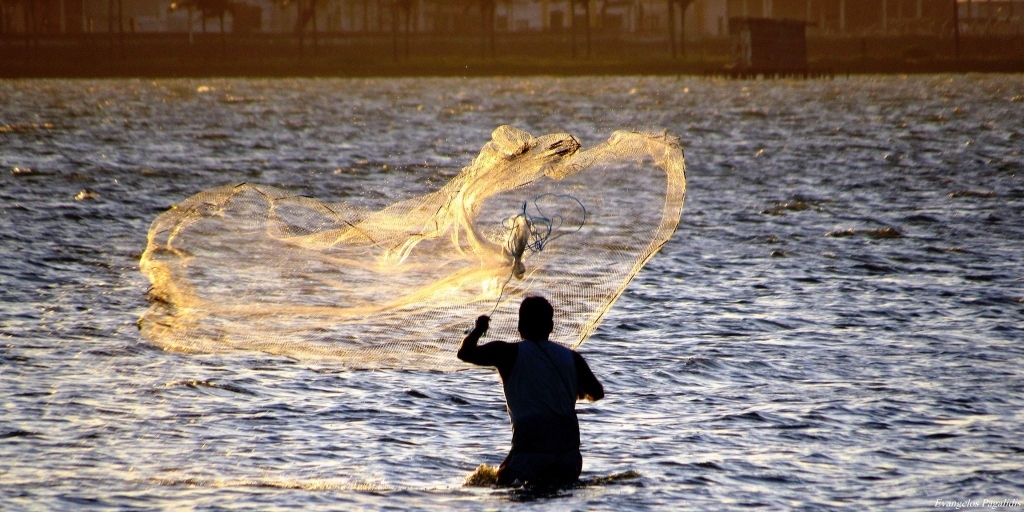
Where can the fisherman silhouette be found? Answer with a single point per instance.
(542, 381)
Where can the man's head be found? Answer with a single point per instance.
(536, 318)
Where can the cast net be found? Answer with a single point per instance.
(255, 267)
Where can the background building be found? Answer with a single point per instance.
(704, 19)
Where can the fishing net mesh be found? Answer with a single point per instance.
(255, 267)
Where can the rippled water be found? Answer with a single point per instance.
(837, 323)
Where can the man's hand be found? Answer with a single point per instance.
(468, 346)
(482, 323)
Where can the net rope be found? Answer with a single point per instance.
(256, 267)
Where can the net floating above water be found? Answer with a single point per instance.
(256, 267)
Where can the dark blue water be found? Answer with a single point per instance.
(838, 322)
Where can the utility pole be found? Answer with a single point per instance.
(572, 27)
(487, 8)
(956, 28)
(120, 26)
(885, 16)
(683, 4)
(970, 16)
(672, 27)
(842, 16)
(312, 14)
(110, 23)
(586, 7)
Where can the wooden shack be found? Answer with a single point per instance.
(768, 46)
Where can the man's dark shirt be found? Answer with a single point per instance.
(503, 355)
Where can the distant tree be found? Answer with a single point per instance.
(487, 8)
(305, 15)
(207, 9)
(30, 18)
(634, 7)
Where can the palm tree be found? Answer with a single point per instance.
(397, 7)
(487, 8)
(31, 20)
(683, 5)
(305, 15)
(586, 22)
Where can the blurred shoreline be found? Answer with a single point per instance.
(327, 67)
(211, 54)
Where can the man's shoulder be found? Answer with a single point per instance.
(499, 351)
(580, 361)
(498, 344)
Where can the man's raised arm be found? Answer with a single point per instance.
(468, 349)
(496, 353)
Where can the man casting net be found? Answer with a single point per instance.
(255, 267)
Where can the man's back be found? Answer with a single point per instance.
(542, 381)
(541, 398)
(503, 356)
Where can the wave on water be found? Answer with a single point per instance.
(316, 484)
(487, 476)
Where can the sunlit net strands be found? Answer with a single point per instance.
(255, 267)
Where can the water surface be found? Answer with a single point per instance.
(837, 322)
